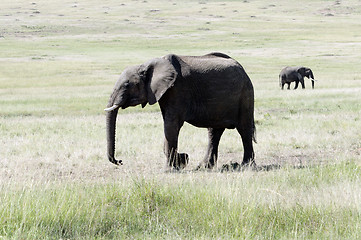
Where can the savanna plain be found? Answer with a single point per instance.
(59, 61)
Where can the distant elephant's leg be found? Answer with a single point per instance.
(282, 82)
(296, 86)
(289, 85)
(174, 159)
(210, 160)
(303, 83)
(247, 135)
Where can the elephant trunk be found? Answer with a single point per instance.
(110, 128)
(312, 79)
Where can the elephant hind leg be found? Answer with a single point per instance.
(210, 160)
(247, 135)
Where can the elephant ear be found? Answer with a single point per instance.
(309, 73)
(160, 76)
(300, 69)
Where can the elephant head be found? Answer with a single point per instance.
(136, 85)
(307, 72)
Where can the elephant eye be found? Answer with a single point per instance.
(126, 84)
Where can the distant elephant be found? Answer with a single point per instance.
(295, 74)
(211, 91)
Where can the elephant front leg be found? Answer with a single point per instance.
(296, 86)
(175, 160)
(210, 159)
(303, 83)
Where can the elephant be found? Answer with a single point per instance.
(295, 74)
(212, 91)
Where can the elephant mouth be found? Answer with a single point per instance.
(130, 103)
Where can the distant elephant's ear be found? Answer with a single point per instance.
(160, 76)
(309, 73)
(302, 71)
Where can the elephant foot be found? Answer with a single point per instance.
(231, 167)
(250, 164)
(204, 166)
(180, 161)
(236, 167)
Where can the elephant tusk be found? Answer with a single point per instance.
(115, 106)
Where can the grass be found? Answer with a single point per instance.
(59, 61)
(231, 206)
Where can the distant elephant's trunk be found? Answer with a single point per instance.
(111, 121)
(312, 79)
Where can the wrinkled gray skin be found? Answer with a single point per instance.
(295, 74)
(211, 91)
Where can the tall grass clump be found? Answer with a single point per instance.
(230, 208)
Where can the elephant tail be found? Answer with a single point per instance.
(254, 134)
(279, 78)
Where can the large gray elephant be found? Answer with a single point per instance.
(295, 74)
(211, 91)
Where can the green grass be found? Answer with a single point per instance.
(58, 64)
(230, 206)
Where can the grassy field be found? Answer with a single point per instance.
(59, 61)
